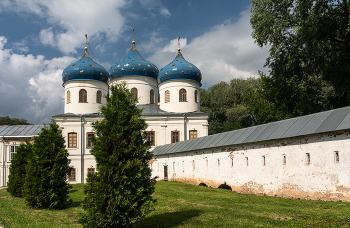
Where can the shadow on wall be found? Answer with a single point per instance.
(169, 219)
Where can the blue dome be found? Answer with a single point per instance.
(85, 69)
(133, 64)
(179, 69)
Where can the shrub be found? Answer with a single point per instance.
(119, 194)
(18, 169)
(46, 184)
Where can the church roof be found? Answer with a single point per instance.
(154, 110)
(322, 122)
(180, 69)
(20, 130)
(133, 65)
(85, 69)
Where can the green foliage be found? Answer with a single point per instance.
(18, 169)
(119, 194)
(46, 184)
(6, 120)
(309, 58)
(283, 98)
(225, 104)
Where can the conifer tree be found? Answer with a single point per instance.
(46, 184)
(119, 194)
(18, 169)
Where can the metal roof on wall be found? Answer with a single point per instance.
(332, 120)
(20, 130)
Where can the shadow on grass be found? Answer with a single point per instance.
(169, 219)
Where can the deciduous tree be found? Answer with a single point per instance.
(309, 43)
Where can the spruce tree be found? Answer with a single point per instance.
(18, 169)
(46, 184)
(119, 194)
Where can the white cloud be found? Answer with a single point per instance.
(47, 37)
(226, 51)
(155, 5)
(71, 20)
(29, 85)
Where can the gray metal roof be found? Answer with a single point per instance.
(147, 110)
(154, 110)
(20, 130)
(332, 120)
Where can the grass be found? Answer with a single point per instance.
(183, 205)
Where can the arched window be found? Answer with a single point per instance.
(158, 97)
(151, 96)
(99, 97)
(82, 96)
(134, 94)
(167, 96)
(196, 96)
(68, 97)
(182, 95)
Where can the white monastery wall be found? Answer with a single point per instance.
(309, 167)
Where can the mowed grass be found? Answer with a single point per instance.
(183, 205)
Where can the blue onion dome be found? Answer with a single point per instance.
(85, 69)
(133, 65)
(179, 69)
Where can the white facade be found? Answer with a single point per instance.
(172, 88)
(73, 104)
(144, 85)
(310, 167)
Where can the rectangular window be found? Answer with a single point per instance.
(90, 170)
(72, 140)
(231, 162)
(336, 156)
(284, 161)
(72, 175)
(175, 136)
(263, 160)
(246, 161)
(151, 137)
(308, 159)
(193, 134)
(89, 137)
(193, 165)
(13, 150)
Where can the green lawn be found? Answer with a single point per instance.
(183, 205)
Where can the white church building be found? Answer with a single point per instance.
(169, 98)
(304, 157)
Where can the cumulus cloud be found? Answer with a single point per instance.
(226, 51)
(71, 20)
(29, 85)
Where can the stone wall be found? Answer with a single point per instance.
(309, 167)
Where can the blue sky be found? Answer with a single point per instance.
(39, 38)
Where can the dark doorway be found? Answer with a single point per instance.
(165, 172)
